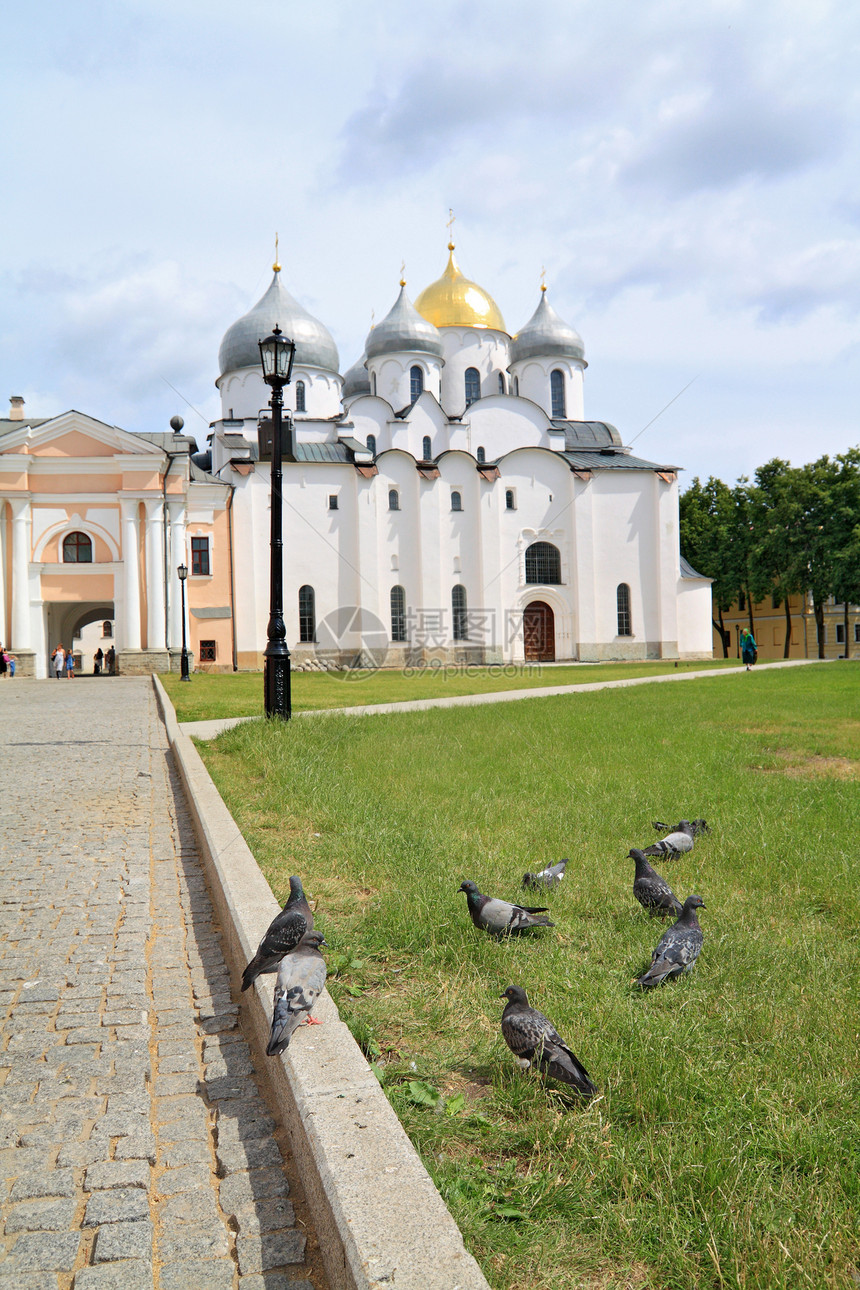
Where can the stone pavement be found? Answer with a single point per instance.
(136, 1145)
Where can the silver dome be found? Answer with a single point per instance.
(404, 329)
(357, 379)
(545, 335)
(314, 345)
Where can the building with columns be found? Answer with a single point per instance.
(445, 500)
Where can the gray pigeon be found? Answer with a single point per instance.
(698, 826)
(549, 877)
(674, 844)
(677, 949)
(301, 978)
(497, 916)
(530, 1035)
(282, 935)
(652, 891)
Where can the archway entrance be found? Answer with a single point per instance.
(539, 632)
(84, 627)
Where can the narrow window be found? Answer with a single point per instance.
(200, 557)
(107, 627)
(393, 499)
(77, 549)
(510, 500)
(456, 501)
(416, 383)
(371, 443)
(482, 456)
(502, 389)
(543, 564)
(473, 385)
(332, 501)
(623, 599)
(556, 387)
(307, 614)
(840, 633)
(742, 602)
(207, 652)
(300, 396)
(516, 386)
(398, 614)
(857, 633)
(461, 619)
(372, 382)
(426, 448)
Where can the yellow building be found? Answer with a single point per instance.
(769, 628)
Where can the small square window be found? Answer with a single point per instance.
(332, 501)
(200, 557)
(207, 651)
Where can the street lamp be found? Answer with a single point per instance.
(183, 574)
(276, 354)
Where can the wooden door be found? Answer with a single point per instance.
(539, 632)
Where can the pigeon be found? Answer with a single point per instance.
(497, 916)
(282, 935)
(698, 826)
(652, 891)
(549, 877)
(674, 844)
(677, 949)
(530, 1035)
(301, 978)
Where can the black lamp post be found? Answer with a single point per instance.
(276, 354)
(183, 574)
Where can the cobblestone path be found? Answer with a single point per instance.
(137, 1149)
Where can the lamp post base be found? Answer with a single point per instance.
(276, 686)
(183, 666)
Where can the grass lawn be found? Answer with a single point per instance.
(723, 1149)
(240, 694)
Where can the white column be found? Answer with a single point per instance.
(130, 638)
(21, 550)
(177, 556)
(4, 635)
(154, 575)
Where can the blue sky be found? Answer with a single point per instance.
(687, 174)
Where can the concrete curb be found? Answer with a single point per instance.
(381, 1223)
(211, 729)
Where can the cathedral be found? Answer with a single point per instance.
(445, 501)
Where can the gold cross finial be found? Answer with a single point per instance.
(372, 319)
(543, 278)
(403, 273)
(277, 265)
(450, 227)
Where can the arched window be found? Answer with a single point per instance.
(426, 448)
(307, 614)
(398, 614)
(543, 564)
(461, 618)
(416, 383)
(107, 627)
(456, 501)
(300, 396)
(473, 385)
(510, 500)
(393, 499)
(623, 598)
(77, 549)
(502, 389)
(371, 443)
(556, 389)
(481, 455)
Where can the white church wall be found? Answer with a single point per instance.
(393, 373)
(501, 425)
(533, 382)
(464, 347)
(695, 634)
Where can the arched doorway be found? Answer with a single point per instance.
(539, 632)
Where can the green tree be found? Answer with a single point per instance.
(776, 564)
(712, 542)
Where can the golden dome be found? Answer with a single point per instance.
(454, 301)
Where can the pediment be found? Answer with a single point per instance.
(74, 434)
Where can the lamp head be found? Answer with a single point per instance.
(183, 572)
(276, 355)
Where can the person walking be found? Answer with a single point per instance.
(749, 649)
(110, 660)
(4, 663)
(70, 666)
(59, 660)
(98, 659)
